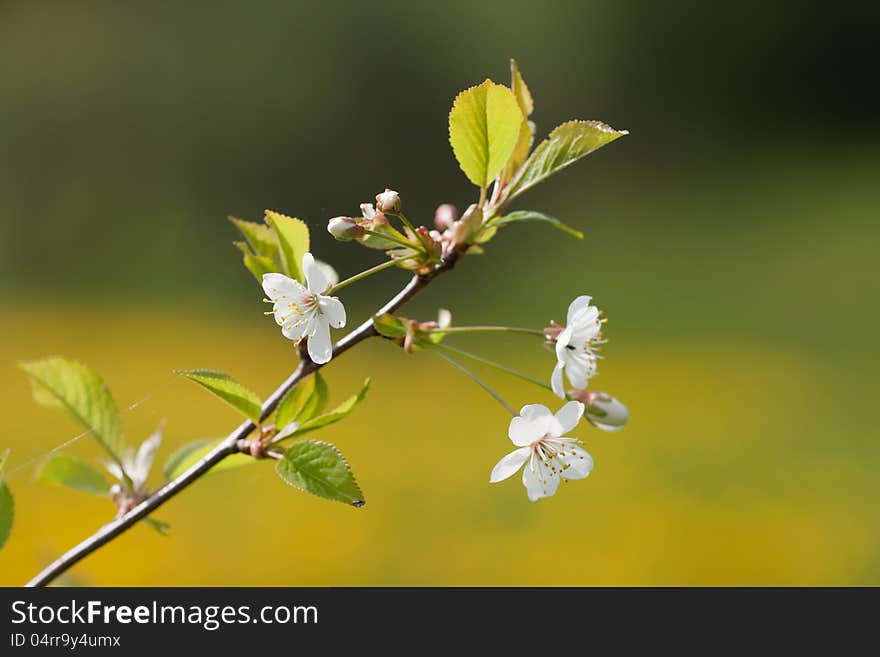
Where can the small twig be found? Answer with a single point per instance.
(485, 386)
(230, 444)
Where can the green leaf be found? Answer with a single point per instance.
(260, 252)
(319, 468)
(520, 90)
(7, 513)
(158, 525)
(180, 456)
(73, 473)
(259, 265)
(566, 144)
(317, 400)
(484, 126)
(526, 130)
(186, 456)
(337, 414)
(76, 388)
(228, 389)
(260, 238)
(293, 238)
(294, 402)
(389, 326)
(529, 215)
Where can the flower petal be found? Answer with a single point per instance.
(562, 342)
(274, 285)
(333, 310)
(509, 464)
(532, 411)
(577, 463)
(524, 431)
(580, 368)
(143, 460)
(569, 415)
(316, 280)
(320, 347)
(296, 327)
(556, 382)
(578, 304)
(539, 480)
(330, 273)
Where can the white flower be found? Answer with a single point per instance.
(547, 455)
(137, 464)
(305, 311)
(575, 346)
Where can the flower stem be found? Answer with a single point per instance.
(484, 329)
(363, 274)
(405, 221)
(395, 239)
(493, 364)
(485, 386)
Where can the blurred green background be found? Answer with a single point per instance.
(731, 239)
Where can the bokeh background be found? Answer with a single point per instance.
(732, 240)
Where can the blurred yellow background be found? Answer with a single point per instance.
(731, 240)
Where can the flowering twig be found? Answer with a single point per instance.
(230, 444)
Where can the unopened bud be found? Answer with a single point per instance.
(465, 229)
(444, 215)
(344, 228)
(388, 202)
(603, 410)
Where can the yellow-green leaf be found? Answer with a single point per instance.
(157, 525)
(295, 402)
(317, 401)
(484, 126)
(566, 144)
(389, 326)
(293, 239)
(188, 455)
(7, 512)
(228, 389)
(73, 473)
(520, 90)
(337, 414)
(531, 216)
(319, 468)
(260, 237)
(76, 388)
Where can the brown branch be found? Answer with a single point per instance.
(230, 444)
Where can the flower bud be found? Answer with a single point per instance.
(465, 229)
(388, 202)
(344, 228)
(444, 215)
(603, 410)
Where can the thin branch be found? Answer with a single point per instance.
(485, 386)
(492, 364)
(487, 329)
(230, 444)
(357, 277)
